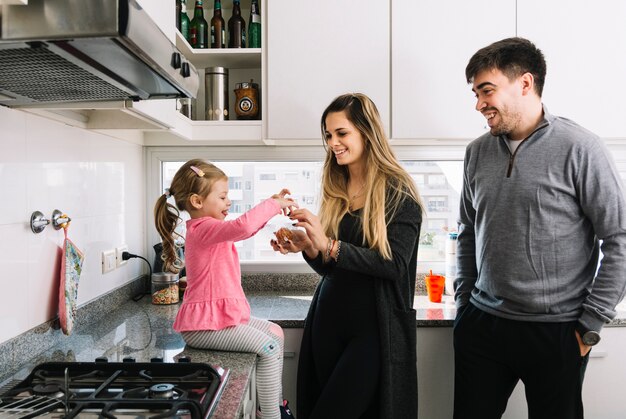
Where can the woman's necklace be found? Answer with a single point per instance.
(356, 195)
(359, 192)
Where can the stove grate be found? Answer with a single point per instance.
(29, 407)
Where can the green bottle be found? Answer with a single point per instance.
(254, 26)
(198, 28)
(184, 20)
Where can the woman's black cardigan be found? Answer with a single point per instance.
(394, 291)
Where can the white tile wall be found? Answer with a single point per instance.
(97, 180)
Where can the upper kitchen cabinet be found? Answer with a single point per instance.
(237, 66)
(585, 48)
(432, 41)
(318, 51)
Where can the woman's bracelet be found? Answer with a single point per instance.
(338, 250)
(328, 249)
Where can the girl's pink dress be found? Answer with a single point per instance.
(214, 298)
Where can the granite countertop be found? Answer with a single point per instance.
(143, 331)
(289, 309)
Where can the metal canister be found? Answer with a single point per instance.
(216, 93)
(247, 100)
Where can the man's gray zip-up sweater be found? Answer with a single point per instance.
(530, 225)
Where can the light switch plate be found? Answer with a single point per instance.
(108, 261)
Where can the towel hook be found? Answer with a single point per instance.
(59, 220)
(37, 222)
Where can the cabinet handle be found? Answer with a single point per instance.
(598, 354)
(289, 355)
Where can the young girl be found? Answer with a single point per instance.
(215, 313)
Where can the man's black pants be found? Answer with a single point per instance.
(492, 354)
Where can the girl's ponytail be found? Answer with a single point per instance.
(193, 178)
(166, 218)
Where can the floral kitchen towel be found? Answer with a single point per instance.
(71, 267)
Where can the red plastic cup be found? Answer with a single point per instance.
(435, 285)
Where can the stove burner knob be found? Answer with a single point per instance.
(156, 359)
(184, 359)
(102, 359)
(129, 359)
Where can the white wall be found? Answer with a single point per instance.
(97, 180)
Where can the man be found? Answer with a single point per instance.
(540, 193)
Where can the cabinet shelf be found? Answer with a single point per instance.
(229, 58)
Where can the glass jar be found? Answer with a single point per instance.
(164, 288)
(247, 100)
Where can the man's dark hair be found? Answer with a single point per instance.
(512, 56)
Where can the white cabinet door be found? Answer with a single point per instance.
(293, 338)
(432, 41)
(584, 43)
(319, 50)
(435, 372)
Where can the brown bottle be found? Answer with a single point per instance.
(218, 28)
(236, 28)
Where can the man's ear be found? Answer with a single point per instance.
(196, 201)
(528, 83)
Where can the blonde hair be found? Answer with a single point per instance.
(386, 182)
(186, 183)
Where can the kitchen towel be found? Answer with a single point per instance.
(71, 267)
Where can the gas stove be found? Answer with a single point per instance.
(125, 389)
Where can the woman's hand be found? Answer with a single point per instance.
(299, 242)
(314, 230)
(286, 204)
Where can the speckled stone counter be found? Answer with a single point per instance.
(116, 327)
(143, 331)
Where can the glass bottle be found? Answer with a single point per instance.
(199, 28)
(183, 19)
(254, 26)
(236, 28)
(218, 28)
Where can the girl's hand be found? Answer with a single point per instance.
(314, 230)
(299, 242)
(286, 204)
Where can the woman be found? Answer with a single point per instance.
(358, 355)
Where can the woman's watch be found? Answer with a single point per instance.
(588, 337)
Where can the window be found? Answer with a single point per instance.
(263, 179)
(437, 172)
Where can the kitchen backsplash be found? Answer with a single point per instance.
(97, 180)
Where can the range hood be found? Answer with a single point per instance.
(97, 51)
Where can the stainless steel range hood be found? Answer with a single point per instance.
(77, 51)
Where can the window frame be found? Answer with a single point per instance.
(426, 150)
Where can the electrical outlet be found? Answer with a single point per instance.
(118, 255)
(108, 260)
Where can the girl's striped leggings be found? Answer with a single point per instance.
(259, 336)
